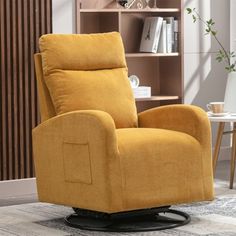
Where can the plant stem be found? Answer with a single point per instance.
(217, 40)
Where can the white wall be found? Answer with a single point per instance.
(17, 187)
(232, 25)
(204, 77)
(63, 15)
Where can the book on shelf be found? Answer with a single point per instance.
(162, 47)
(142, 92)
(169, 36)
(151, 34)
(176, 36)
(170, 33)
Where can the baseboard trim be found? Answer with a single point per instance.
(18, 187)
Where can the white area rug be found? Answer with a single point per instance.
(216, 218)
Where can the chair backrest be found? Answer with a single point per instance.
(47, 110)
(85, 72)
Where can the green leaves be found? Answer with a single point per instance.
(232, 54)
(189, 10)
(230, 68)
(210, 22)
(213, 32)
(219, 59)
(222, 55)
(207, 31)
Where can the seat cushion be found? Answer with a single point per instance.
(88, 72)
(159, 167)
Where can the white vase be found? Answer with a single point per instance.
(230, 93)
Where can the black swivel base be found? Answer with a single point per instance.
(132, 221)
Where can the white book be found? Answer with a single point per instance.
(162, 48)
(168, 38)
(170, 34)
(158, 33)
(151, 34)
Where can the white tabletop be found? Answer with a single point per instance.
(224, 118)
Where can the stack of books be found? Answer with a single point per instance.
(142, 92)
(160, 35)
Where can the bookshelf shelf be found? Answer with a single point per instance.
(175, 54)
(158, 10)
(157, 98)
(163, 72)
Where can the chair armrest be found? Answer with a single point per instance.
(189, 119)
(75, 151)
(76, 155)
(79, 127)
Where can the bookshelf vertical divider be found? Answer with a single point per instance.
(162, 72)
(119, 22)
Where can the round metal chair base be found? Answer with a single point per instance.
(164, 218)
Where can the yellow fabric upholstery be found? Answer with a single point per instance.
(86, 75)
(90, 191)
(46, 106)
(83, 160)
(82, 52)
(188, 119)
(160, 166)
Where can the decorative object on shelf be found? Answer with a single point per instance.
(121, 2)
(129, 4)
(222, 56)
(147, 4)
(139, 4)
(155, 4)
(134, 81)
(139, 91)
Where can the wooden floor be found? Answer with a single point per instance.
(222, 173)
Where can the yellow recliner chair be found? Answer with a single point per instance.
(93, 152)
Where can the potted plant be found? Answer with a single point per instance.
(222, 56)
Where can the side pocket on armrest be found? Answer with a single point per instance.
(77, 165)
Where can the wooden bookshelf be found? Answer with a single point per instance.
(157, 98)
(163, 72)
(159, 10)
(152, 54)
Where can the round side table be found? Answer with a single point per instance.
(222, 120)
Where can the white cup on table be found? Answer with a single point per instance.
(216, 107)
